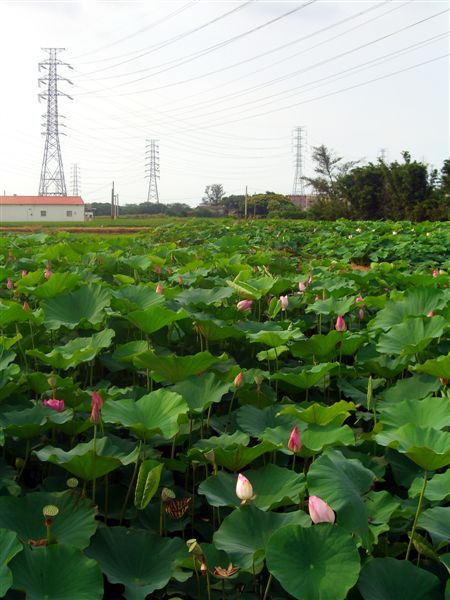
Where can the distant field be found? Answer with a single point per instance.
(96, 223)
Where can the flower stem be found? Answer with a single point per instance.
(266, 592)
(418, 511)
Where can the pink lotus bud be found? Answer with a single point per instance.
(9, 284)
(443, 380)
(244, 305)
(309, 280)
(361, 314)
(239, 379)
(54, 404)
(26, 306)
(320, 511)
(431, 313)
(157, 269)
(47, 273)
(24, 273)
(284, 302)
(340, 324)
(244, 489)
(258, 380)
(96, 407)
(301, 286)
(435, 272)
(159, 289)
(294, 443)
(359, 299)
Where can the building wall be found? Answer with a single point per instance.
(30, 213)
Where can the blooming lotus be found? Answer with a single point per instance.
(54, 404)
(284, 302)
(244, 489)
(340, 324)
(320, 511)
(244, 305)
(294, 443)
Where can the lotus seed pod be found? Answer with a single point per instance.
(72, 483)
(167, 494)
(50, 510)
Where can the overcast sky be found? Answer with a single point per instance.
(221, 85)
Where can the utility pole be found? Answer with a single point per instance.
(298, 188)
(75, 177)
(383, 156)
(114, 203)
(52, 182)
(152, 164)
(246, 202)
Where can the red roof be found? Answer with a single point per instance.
(40, 200)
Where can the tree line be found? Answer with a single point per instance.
(398, 190)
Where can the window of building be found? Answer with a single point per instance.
(43, 213)
(68, 213)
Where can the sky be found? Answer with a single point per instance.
(221, 85)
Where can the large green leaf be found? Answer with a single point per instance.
(143, 562)
(57, 572)
(417, 302)
(391, 579)
(85, 306)
(321, 415)
(12, 312)
(195, 296)
(147, 482)
(135, 297)
(159, 412)
(273, 487)
(244, 533)
(316, 562)
(75, 352)
(74, 525)
(315, 438)
(306, 377)
(341, 482)
(230, 451)
(438, 487)
(59, 283)
(9, 547)
(427, 447)
(430, 412)
(437, 522)
(175, 368)
(30, 422)
(88, 460)
(412, 336)
(154, 318)
(438, 367)
(201, 391)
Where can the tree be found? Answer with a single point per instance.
(213, 194)
(330, 168)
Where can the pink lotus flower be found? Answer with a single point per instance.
(320, 511)
(340, 324)
(294, 443)
(159, 289)
(301, 286)
(244, 489)
(54, 404)
(435, 272)
(431, 313)
(9, 284)
(47, 273)
(244, 305)
(284, 302)
(361, 314)
(239, 379)
(96, 407)
(24, 273)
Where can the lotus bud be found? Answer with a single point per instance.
(435, 272)
(26, 306)
(239, 379)
(340, 324)
(301, 286)
(157, 269)
(180, 280)
(159, 289)
(244, 305)
(258, 379)
(361, 314)
(284, 302)
(359, 299)
(96, 407)
(443, 380)
(320, 511)
(9, 283)
(210, 456)
(294, 443)
(47, 273)
(431, 313)
(244, 489)
(54, 404)
(24, 273)
(203, 566)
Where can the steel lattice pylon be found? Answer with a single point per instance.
(152, 170)
(52, 182)
(298, 188)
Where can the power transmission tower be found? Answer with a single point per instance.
(52, 181)
(152, 164)
(383, 155)
(75, 177)
(298, 188)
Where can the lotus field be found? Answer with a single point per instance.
(247, 410)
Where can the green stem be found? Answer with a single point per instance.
(418, 511)
(93, 461)
(208, 585)
(293, 462)
(266, 592)
(133, 477)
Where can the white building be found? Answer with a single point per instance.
(41, 208)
